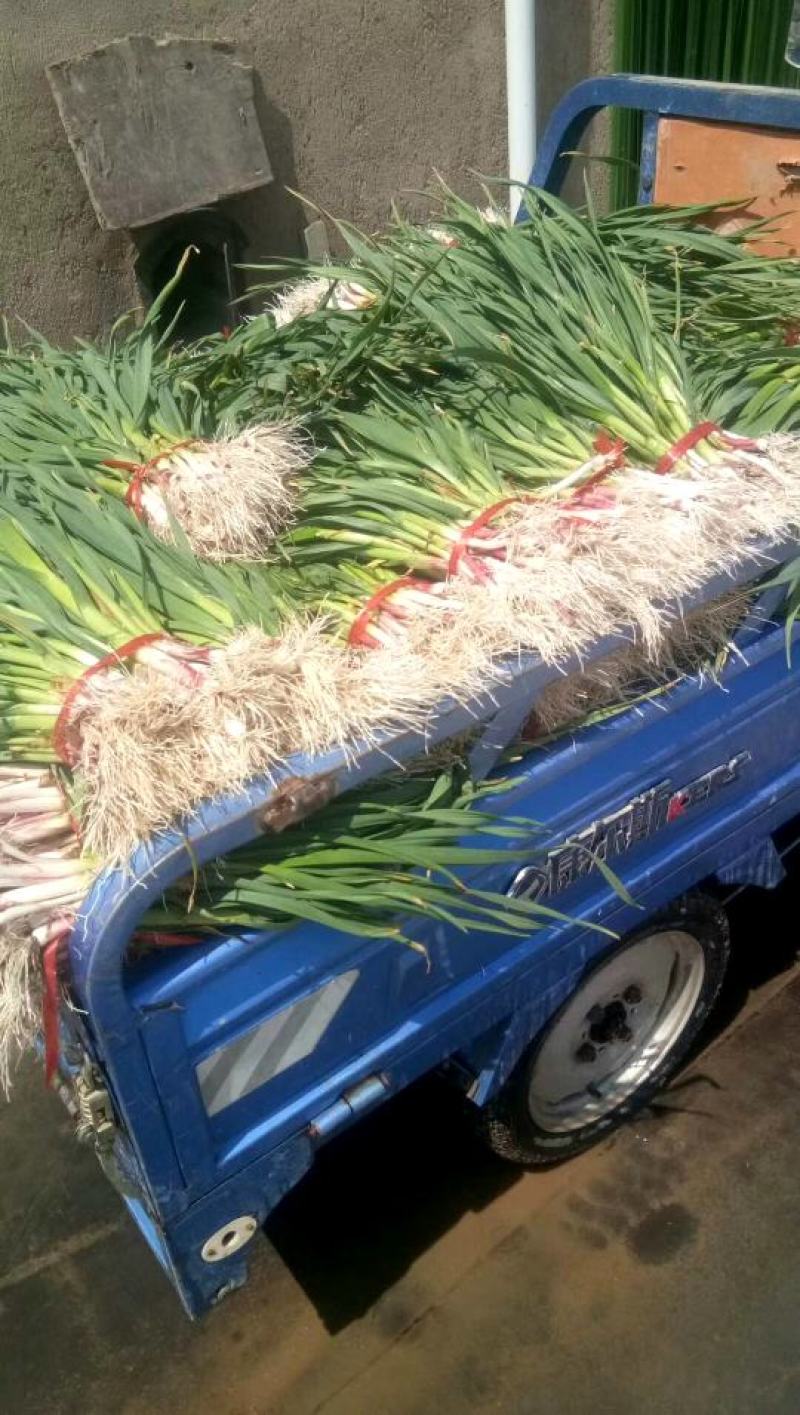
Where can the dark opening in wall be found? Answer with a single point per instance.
(203, 301)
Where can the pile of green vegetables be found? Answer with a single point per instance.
(474, 366)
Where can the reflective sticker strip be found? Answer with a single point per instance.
(284, 1039)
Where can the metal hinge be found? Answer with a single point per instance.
(95, 1121)
(359, 1098)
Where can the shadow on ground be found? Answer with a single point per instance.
(382, 1193)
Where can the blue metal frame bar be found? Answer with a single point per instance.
(683, 98)
(648, 158)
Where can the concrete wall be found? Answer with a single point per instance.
(574, 41)
(358, 99)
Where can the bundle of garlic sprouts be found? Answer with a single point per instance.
(128, 421)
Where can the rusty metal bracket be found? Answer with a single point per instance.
(298, 797)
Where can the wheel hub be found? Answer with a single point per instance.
(616, 1030)
(609, 1023)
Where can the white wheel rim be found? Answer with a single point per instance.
(616, 1030)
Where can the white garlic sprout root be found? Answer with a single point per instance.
(305, 297)
(231, 497)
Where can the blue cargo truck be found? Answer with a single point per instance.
(208, 1077)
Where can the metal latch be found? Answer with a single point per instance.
(96, 1121)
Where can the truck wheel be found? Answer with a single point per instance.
(617, 1039)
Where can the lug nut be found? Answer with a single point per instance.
(586, 1052)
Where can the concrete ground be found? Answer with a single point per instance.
(414, 1273)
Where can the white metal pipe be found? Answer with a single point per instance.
(520, 92)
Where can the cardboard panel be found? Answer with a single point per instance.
(699, 161)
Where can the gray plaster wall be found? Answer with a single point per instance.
(359, 99)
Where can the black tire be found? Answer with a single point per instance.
(506, 1123)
